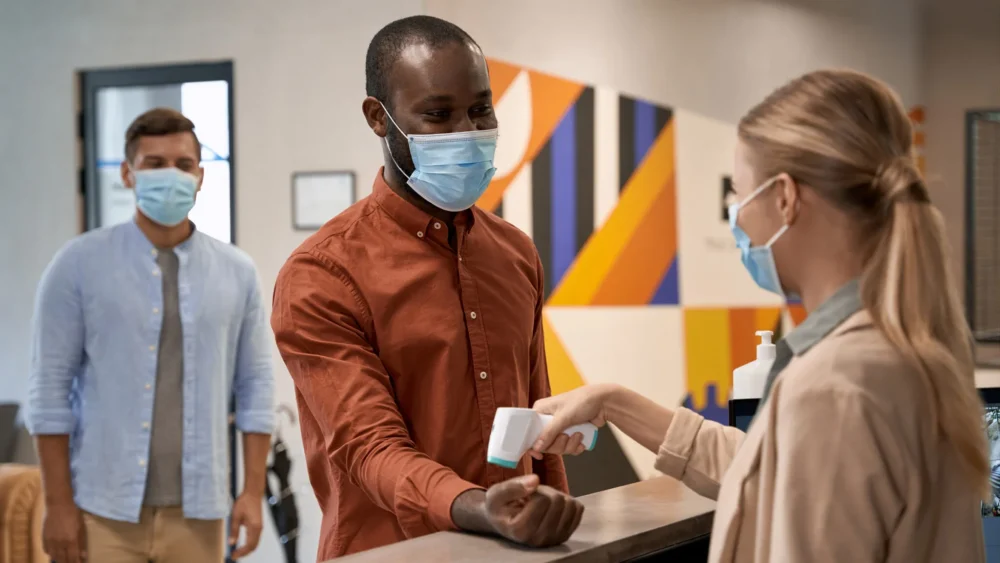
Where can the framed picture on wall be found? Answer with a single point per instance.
(318, 197)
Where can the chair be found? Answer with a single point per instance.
(21, 510)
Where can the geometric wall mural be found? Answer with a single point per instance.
(623, 199)
(591, 175)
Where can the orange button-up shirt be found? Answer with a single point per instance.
(402, 345)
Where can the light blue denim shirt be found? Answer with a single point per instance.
(93, 372)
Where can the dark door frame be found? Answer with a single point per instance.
(971, 116)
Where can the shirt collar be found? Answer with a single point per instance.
(832, 313)
(139, 239)
(416, 221)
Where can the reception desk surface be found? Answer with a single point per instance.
(618, 525)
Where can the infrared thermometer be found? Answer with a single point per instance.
(515, 431)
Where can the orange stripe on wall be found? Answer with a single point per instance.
(642, 263)
(551, 97)
(768, 319)
(742, 341)
(502, 75)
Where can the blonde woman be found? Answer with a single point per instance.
(869, 445)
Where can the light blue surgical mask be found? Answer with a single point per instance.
(758, 260)
(450, 170)
(165, 195)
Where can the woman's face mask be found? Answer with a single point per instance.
(758, 260)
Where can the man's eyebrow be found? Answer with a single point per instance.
(444, 98)
(438, 98)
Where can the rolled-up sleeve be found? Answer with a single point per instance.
(319, 319)
(253, 383)
(57, 346)
(698, 452)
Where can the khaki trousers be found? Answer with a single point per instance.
(163, 535)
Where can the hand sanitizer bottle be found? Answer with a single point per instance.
(749, 380)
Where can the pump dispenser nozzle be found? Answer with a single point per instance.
(765, 350)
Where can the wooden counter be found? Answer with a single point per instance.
(618, 525)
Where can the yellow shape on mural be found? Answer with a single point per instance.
(583, 281)
(707, 349)
(563, 375)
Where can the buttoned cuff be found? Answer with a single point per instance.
(255, 422)
(444, 497)
(675, 452)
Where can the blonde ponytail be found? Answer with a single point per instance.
(908, 290)
(847, 136)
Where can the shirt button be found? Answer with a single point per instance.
(420, 234)
(482, 375)
(153, 252)
(145, 425)
(459, 258)
(156, 310)
(148, 386)
(156, 272)
(437, 225)
(142, 462)
(151, 348)
(472, 314)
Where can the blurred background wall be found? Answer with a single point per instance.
(667, 79)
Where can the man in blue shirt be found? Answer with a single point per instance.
(142, 333)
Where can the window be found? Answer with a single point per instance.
(983, 225)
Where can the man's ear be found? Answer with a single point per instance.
(128, 179)
(375, 116)
(201, 177)
(789, 198)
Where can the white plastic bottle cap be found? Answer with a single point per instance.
(765, 350)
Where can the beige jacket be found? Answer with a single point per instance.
(843, 463)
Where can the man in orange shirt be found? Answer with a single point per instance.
(407, 320)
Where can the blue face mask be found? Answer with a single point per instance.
(758, 260)
(450, 170)
(165, 195)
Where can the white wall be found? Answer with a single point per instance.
(962, 61)
(299, 73)
(713, 57)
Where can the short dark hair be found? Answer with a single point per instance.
(391, 40)
(157, 122)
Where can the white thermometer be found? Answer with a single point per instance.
(515, 431)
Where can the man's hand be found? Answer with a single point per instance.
(520, 510)
(246, 515)
(63, 535)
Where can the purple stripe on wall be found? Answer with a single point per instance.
(645, 129)
(563, 144)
